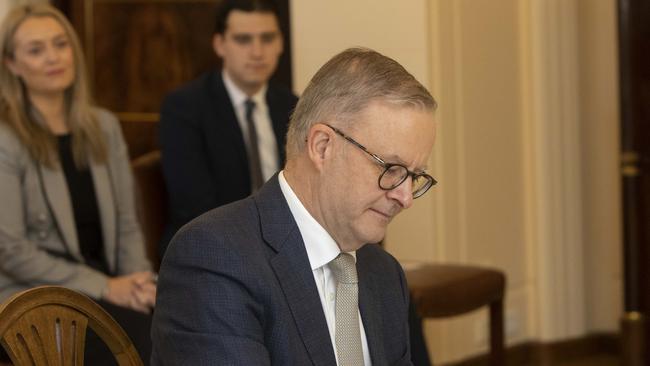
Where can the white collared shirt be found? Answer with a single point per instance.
(266, 142)
(321, 249)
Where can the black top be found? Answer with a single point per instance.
(84, 205)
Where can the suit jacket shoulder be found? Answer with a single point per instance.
(198, 95)
(281, 94)
(12, 152)
(208, 91)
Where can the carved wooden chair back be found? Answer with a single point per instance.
(47, 326)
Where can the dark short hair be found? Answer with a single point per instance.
(226, 6)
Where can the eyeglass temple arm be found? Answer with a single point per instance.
(352, 141)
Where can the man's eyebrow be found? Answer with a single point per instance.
(242, 34)
(252, 34)
(395, 159)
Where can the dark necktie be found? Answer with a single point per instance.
(348, 331)
(254, 164)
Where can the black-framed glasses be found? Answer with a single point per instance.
(393, 174)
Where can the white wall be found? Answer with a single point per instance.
(481, 208)
(600, 132)
(321, 29)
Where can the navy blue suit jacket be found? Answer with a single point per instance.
(236, 288)
(204, 159)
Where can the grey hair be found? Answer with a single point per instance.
(346, 85)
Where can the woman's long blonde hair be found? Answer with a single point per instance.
(15, 106)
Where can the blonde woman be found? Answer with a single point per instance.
(67, 215)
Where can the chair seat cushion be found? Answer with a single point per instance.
(440, 290)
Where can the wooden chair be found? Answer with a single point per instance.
(151, 201)
(47, 326)
(443, 290)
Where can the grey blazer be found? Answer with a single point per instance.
(38, 238)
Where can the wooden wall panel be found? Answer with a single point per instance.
(142, 50)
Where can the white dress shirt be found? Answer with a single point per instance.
(266, 142)
(321, 249)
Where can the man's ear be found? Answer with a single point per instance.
(217, 44)
(319, 143)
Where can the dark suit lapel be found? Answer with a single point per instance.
(370, 308)
(292, 269)
(279, 119)
(224, 120)
(302, 297)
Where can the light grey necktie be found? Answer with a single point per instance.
(254, 163)
(348, 333)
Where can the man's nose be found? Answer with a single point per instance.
(257, 47)
(403, 193)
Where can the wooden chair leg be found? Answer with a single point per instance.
(496, 334)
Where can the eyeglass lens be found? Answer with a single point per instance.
(394, 175)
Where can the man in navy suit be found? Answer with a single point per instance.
(258, 281)
(210, 153)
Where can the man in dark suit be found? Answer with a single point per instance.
(285, 277)
(222, 134)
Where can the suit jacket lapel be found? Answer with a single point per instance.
(370, 309)
(279, 120)
(55, 188)
(293, 271)
(106, 206)
(224, 121)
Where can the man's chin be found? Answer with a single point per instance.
(257, 79)
(376, 237)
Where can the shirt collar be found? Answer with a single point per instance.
(321, 247)
(238, 97)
